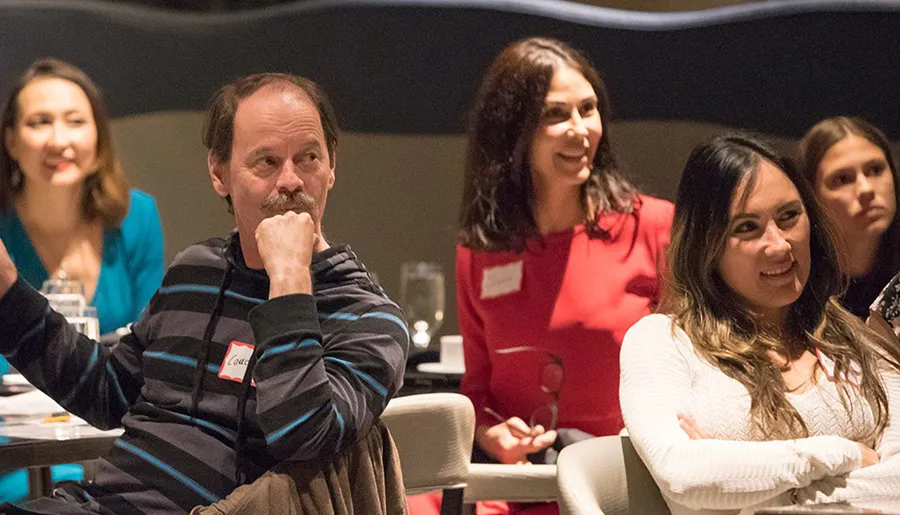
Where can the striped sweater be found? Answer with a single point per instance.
(323, 368)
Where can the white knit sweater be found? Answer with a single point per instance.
(663, 376)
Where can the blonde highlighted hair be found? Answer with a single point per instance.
(717, 320)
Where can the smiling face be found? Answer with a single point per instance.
(565, 142)
(54, 138)
(766, 260)
(279, 162)
(855, 185)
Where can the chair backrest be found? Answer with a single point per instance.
(434, 434)
(605, 476)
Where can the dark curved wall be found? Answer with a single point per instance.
(411, 66)
(402, 74)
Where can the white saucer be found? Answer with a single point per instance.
(440, 368)
(14, 379)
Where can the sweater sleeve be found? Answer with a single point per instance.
(708, 474)
(85, 377)
(476, 381)
(143, 235)
(313, 396)
(879, 482)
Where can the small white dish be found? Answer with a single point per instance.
(14, 379)
(440, 368)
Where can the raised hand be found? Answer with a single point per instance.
(286, 244)
(8, 272)
(869, 455)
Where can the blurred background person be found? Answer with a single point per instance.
(558, 254)
(753, 386)
(849, 163)
(65, 206)
(884, 316)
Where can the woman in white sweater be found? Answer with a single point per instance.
(753, 387)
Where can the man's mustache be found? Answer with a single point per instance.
(294, 201)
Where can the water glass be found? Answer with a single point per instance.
(422, 299)
(65, 296)
(87, 323)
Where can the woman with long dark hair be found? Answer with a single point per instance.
(849, 164)
(557, 255)
(753, 386)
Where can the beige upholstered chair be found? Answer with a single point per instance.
(433, 433)
(514, 483)
(605, 476)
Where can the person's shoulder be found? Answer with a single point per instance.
(141, 203)
(657, 208)
(475, 257)
(142, 211)
(652, 323)
(140, 198)
(655, 217)
(340, 277)
(206, 253)
(463, 255)
(887, 304)
(654, 330)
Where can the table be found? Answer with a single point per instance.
(38, 446)
(7, 390)
(415, 382)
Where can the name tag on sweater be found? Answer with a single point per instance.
(234, 366)
(501, 280)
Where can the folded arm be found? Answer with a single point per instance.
(876, 482)
(656, 385)
(315, 396)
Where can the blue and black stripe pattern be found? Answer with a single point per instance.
(326, 365)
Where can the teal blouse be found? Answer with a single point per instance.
(131, 266)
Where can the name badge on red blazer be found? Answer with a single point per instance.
(501, 280)
(237, 358)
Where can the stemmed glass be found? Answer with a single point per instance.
(422, 299)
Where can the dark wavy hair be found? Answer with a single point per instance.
(828, 132)
(105, 194)
(218, 125)
(497, 211)
(716, 318)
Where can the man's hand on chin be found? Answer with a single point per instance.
(286, 245)
(8, 272)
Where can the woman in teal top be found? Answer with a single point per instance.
(66, 208)
(131, 267)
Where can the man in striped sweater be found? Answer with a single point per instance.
(268, 346)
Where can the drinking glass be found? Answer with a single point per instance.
(87, 323)
(422, 299)
(65, 296)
